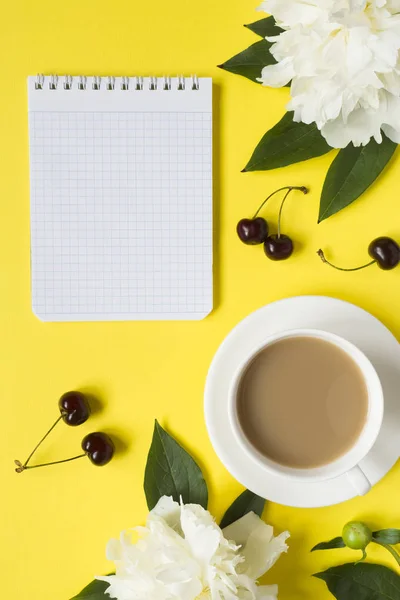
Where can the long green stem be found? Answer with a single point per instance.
(56, 462)
(41, 441)
(390, 549)
(287, 187)
(325, 260)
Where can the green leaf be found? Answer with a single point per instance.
(387, 536)
(351, 173)
(251, 61)
(335, 543)
(287, 143)
(362, 582)
(171, 471)
(93, 591)
(265, 27)
(245, 503)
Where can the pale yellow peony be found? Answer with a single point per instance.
(342, 59)
(182, 554)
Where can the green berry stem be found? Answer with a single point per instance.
(56, 462)
(41, 441)
(364, 556)
(390, 549)
(287, 187)
(325, 260)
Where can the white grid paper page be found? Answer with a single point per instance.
(121, 203)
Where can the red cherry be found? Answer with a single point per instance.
(252, 231)
(278, 247)
(74, 408)
(386, 252)
(99, 447)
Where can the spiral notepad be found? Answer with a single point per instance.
(121, 197)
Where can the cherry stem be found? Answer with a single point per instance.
(287, 187)
(56, 462)
(325, 260)
(41, 441)
(280, 213)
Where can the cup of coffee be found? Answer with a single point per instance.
(307, 405)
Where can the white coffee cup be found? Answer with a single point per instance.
(348, 463)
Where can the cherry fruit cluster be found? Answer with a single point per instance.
(75, 410)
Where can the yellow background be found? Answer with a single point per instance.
(55, 522)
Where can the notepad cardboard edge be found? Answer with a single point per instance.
(129, 317)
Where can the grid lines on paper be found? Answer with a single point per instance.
(120, 213)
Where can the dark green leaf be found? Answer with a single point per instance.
(265, 27)
(287, 143)
(335, 543)
(351, 173)
(251, 61)
(245, 503)
(171, 471)
(387, 536)
(362, 582)
(93, 591)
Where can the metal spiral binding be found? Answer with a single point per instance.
(39, 82)
(53, 82)
(96, 84)
(181, 82)
(67, 82)
(195, 82)
(80, 82)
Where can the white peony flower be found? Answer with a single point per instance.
(182, 554)
(342, 57)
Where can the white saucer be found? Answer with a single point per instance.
(308, 312)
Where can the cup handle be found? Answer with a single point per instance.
(359, 480)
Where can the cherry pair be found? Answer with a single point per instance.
(75, 410)
(256, 231)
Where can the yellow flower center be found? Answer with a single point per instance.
(205, 594)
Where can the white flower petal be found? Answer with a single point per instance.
(361, 125)
(201, 533)
(261, 558)
(277, 75)
(261, 550)
(391, 82)
(181, 583)
(292, 12)
(113, 550)
(240, 530)
(392, 133)
(138, 588)
(267, 592)
(391, 119)
(168, 510)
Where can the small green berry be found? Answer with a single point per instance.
(356, 535)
